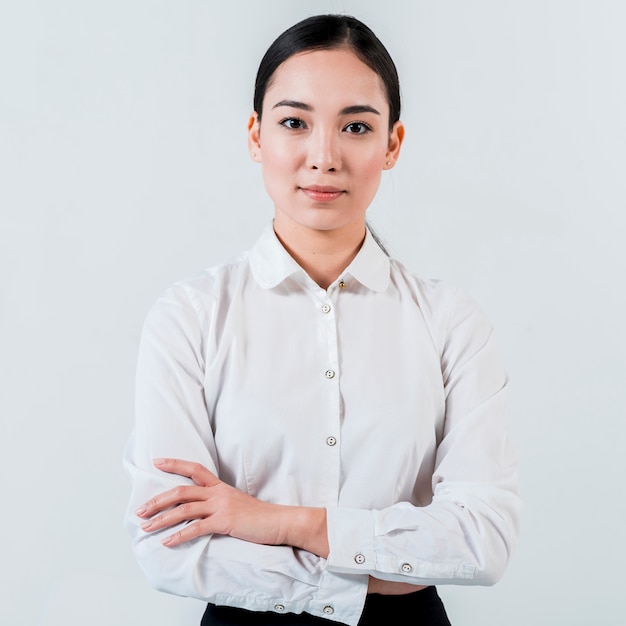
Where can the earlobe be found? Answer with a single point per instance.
(396, 137)
(254, 137)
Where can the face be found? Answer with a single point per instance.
(324, 140)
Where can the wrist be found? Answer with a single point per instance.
(305, 528)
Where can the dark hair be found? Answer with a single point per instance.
(328, 32)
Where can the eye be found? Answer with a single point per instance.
(358, 128)
(293, 123)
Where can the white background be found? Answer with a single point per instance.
(124, 167)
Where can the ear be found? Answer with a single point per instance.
(396, 137)
(254, 137)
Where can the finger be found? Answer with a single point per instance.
(171, 498)
(190, 511)
(197, 472)
(189, 532)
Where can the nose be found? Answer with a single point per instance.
(323, 151)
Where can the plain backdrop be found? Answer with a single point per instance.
(124, 167)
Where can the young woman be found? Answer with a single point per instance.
(320, 434)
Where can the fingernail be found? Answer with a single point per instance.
(146, 525)
(167, 541)
(140, 511)
(159, 461)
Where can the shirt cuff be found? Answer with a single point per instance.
(341, 597)
(351, 540)
(355, 547)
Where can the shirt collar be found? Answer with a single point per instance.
(371, 266)
(271, 264)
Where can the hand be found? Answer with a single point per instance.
(387, 588)
(214, 507)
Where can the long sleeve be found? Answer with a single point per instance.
(172, 420)
(466, 533)
(381, 398)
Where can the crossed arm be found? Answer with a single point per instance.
(214, 507)
(464, 536)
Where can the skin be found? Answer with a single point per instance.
(325, 124)
(323, 142)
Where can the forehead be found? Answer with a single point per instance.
(327, 77)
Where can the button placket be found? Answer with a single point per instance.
(330, 420)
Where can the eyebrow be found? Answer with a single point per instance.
(350, 110)
(294, 104)
(359, 108)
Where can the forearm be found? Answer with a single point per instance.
(213, 567)
(458, 539)
(306, 528)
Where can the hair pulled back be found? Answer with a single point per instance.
(329, 32)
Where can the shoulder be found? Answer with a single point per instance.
(446, 308)
(197, 296)
(433, 296)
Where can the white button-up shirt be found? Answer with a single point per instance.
(381, 398)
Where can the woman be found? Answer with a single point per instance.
(320, 434)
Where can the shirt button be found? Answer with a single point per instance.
(329, 610)
(326, 308)
(331, 441)
(279, 607)
(329, 374)
(359, 559)
(406, 568)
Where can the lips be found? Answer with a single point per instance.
(321, 193)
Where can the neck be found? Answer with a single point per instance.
(323, 254)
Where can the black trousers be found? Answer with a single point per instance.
(420, 608)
